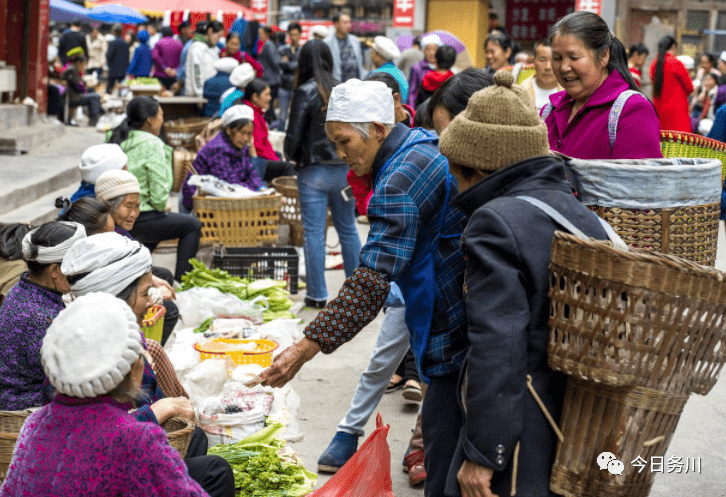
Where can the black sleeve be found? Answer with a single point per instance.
(84, 46)
(110, 54)
(297, 125)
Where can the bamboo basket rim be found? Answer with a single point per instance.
(692, 139)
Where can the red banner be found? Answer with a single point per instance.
(259, 7)
(594, 6)
(307, 26)
(532, 19)
(403, 13)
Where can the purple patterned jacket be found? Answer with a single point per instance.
(25, 316)
(418, 71)
(90, 447)
(225, 161)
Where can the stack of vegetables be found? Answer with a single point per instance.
(274, 293)
(264, 467)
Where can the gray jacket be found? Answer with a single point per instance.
(332, 43)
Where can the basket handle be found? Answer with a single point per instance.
(618, 242)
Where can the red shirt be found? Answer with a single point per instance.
(260, 135)
(243, 57)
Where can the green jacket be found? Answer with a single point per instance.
(150, 162)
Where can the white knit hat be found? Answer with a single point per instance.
(237, 112)
(91, 346)
(112, 184)
(319, 30)
(226, 64)
(98, 159)
(358, 101)
(242, 75)
(432, 39)
(386, 48)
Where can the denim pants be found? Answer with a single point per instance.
(93, 102)
(391, 346)
(284, 97)
(319, 187)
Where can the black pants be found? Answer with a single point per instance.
(213, 473)
(152, 227)
(112, 82)
(167, 82)
(172, 311)
(407, 369)
(441, 422)
(55, 102)
(270, 113)
(271, 169)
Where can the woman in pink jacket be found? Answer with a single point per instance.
(601, 113)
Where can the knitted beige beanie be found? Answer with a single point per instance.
(499, 127)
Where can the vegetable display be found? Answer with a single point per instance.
(264, 468)
(274, 293)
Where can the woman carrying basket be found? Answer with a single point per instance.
(506, 440)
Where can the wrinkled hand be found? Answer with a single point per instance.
(167, 291)
(171, 72)
(475, 480)
(288, 363)
(176, 407)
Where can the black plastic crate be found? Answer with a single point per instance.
(258, 263)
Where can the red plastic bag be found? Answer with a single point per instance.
(367, 473)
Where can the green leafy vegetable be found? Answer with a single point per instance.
(204, 326)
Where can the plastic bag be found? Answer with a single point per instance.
(367, 473)
(181, 352)
(284, 410)
(231, 419)
(284, 331)
(198, 304)
(211, 185)
(206, 379)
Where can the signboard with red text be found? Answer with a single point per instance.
(532, 19)
(403, 11)
(594, 6)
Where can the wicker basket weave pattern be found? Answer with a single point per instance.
(290, 210)
(243, 222)
(179, 432)
(10, 424)
(636, 319)
(680, 144)
(181, 132)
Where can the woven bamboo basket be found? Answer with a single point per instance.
(182, 160)
(679, 144)
(635, 319)
(182, 132)
(179, 432)
(627, 421)
(238, 222)
(525, 72)
(290, 210)
(664, 205)
(10, 424)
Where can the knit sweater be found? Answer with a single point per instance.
(25, 316)
(94, 447)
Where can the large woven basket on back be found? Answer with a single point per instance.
(637, 332)
(679, 144)
(238, 222)
(290, 212)
(664, 205)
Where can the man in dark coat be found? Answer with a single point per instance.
(71, 39)
(117, 58)
(507, 244)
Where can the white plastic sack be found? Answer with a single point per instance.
(284, 410)
(211, 185)
(284, 331)
(181, 352)
(206, 379)
(231, 419)
(198, 304)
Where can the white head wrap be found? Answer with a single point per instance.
(358, 101)
(432, 39)
(113, 262)
(242, 75)
(386, 48)
(226, 64)
(91, 346)
(98, 159)
(52, 255)
(319, 30)
(237, 112)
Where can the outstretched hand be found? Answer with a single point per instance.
(287, 364)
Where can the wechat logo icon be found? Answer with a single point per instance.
(607, 460)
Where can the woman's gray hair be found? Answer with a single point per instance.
(363, 129)
(115, 202)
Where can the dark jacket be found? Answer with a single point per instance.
(270, 61)
(69, 40)
(507, 246)
(73, 84)
(305, 141)
(117, 58)
(289, 68)
(213, 89)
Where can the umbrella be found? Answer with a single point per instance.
(64, 11)
(116, 13)
(159, 7)
(406, 41)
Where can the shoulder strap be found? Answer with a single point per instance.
(615, 112)
(547, 110)
(562, 221)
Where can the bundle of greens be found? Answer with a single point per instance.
(274, 293)
(262, 468)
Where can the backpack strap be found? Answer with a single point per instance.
(615, 111)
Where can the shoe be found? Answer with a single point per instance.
(315, 304)
(395, 385)
(416, 471)
(72, 122)
(92, 122)
(342, 448)
(412, 391)
(362, 219)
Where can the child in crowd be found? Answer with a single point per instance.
(445, 59)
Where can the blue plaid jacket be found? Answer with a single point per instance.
(404, 213)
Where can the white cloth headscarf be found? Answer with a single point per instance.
(51, 255)
(358, 101)
(112, 262)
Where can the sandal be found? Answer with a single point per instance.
(412, 391)
(394, 385)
